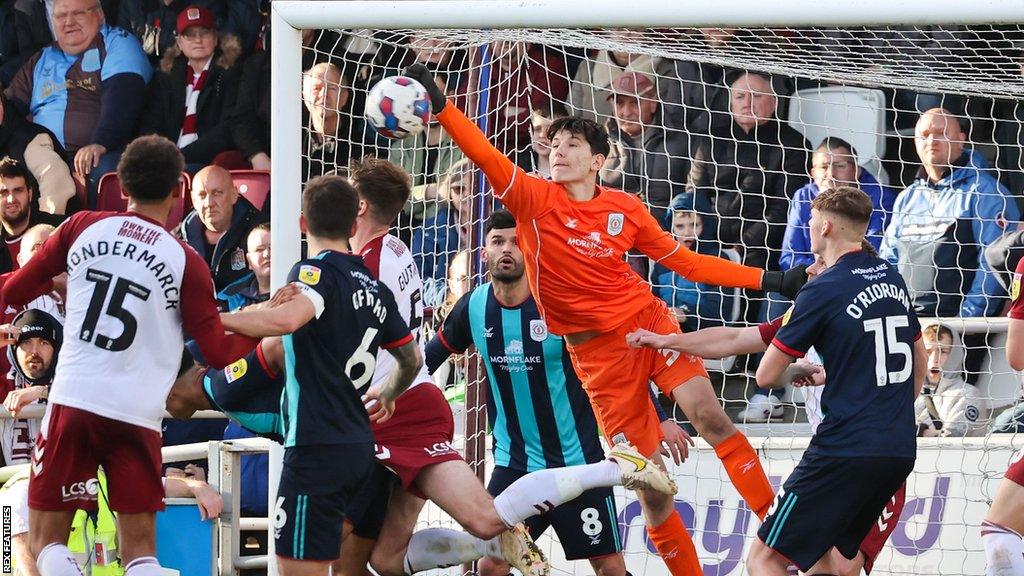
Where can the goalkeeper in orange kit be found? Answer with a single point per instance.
(574, 235)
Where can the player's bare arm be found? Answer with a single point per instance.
(773, 365)
(276, 321)
(409, 362)
(716, 342)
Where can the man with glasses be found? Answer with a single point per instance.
(87, 88)
(219, 225)
(833, 164)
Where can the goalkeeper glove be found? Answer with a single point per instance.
(787, 283)
(422, 74)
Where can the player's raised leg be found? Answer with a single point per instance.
(700, 404)
(1004, 524)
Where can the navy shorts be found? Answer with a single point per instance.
(370, 505)
(318, 485)
(830, 501)
(587, 527)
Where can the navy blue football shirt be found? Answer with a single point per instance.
(858, 317)
(329, 362)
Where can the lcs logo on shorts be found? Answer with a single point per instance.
(615, 223)
(439, 449)
(538, 330)
(1015, 287)
(309, 275)
(86, 490)
(236, 370)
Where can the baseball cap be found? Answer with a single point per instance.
(195, 16)
(632, 84)
(35, 323)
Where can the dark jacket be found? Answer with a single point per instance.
(748, 179)
(657, 172)
(36, 217)
(16, 43)
(251, 118)
(228, 258)
(165, 112)
(154, 22)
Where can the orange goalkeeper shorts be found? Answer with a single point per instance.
(617, 376)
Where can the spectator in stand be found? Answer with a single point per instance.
(219, 225)
(695, 305)
(540, 121)
(524, 77)
(440, 237)
(948, 405)
(151, 21)
(17, 190)
(749, 168)
(256, 288)
(15, 42)
(703, 86)
(429, 155)
(833, 164)
(88, 88)
(251, 119)
(333, 139)
(646, 157)
(39, 150)
(943, 222)
(192, 95)
(590, 94)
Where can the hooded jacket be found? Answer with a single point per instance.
(655, 168)
(956, 403)
(938, 235)
(227, 263)
(165, 113)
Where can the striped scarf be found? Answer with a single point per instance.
(192, 89)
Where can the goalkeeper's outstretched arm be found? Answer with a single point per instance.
(519, 192)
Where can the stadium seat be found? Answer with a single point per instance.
(856, 115)
(111, 198)
(253, 184)
(726, 364)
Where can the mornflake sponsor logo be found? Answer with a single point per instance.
(590, 246)
(513, 359)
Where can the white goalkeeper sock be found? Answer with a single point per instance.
(440, 548)
(541, 491)
(57, 560)
(1004, 550)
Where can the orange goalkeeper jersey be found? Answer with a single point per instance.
(575, 251)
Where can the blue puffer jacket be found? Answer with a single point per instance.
(796, 243)
(938, 236)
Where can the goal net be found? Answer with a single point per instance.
(720, 132)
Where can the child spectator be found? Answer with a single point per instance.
(948, 405)
(696, 305)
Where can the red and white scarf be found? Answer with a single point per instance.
(193, 87)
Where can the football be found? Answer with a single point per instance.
(398, 107)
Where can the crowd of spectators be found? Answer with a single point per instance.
(707, 147)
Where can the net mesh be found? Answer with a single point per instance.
(739, 149)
